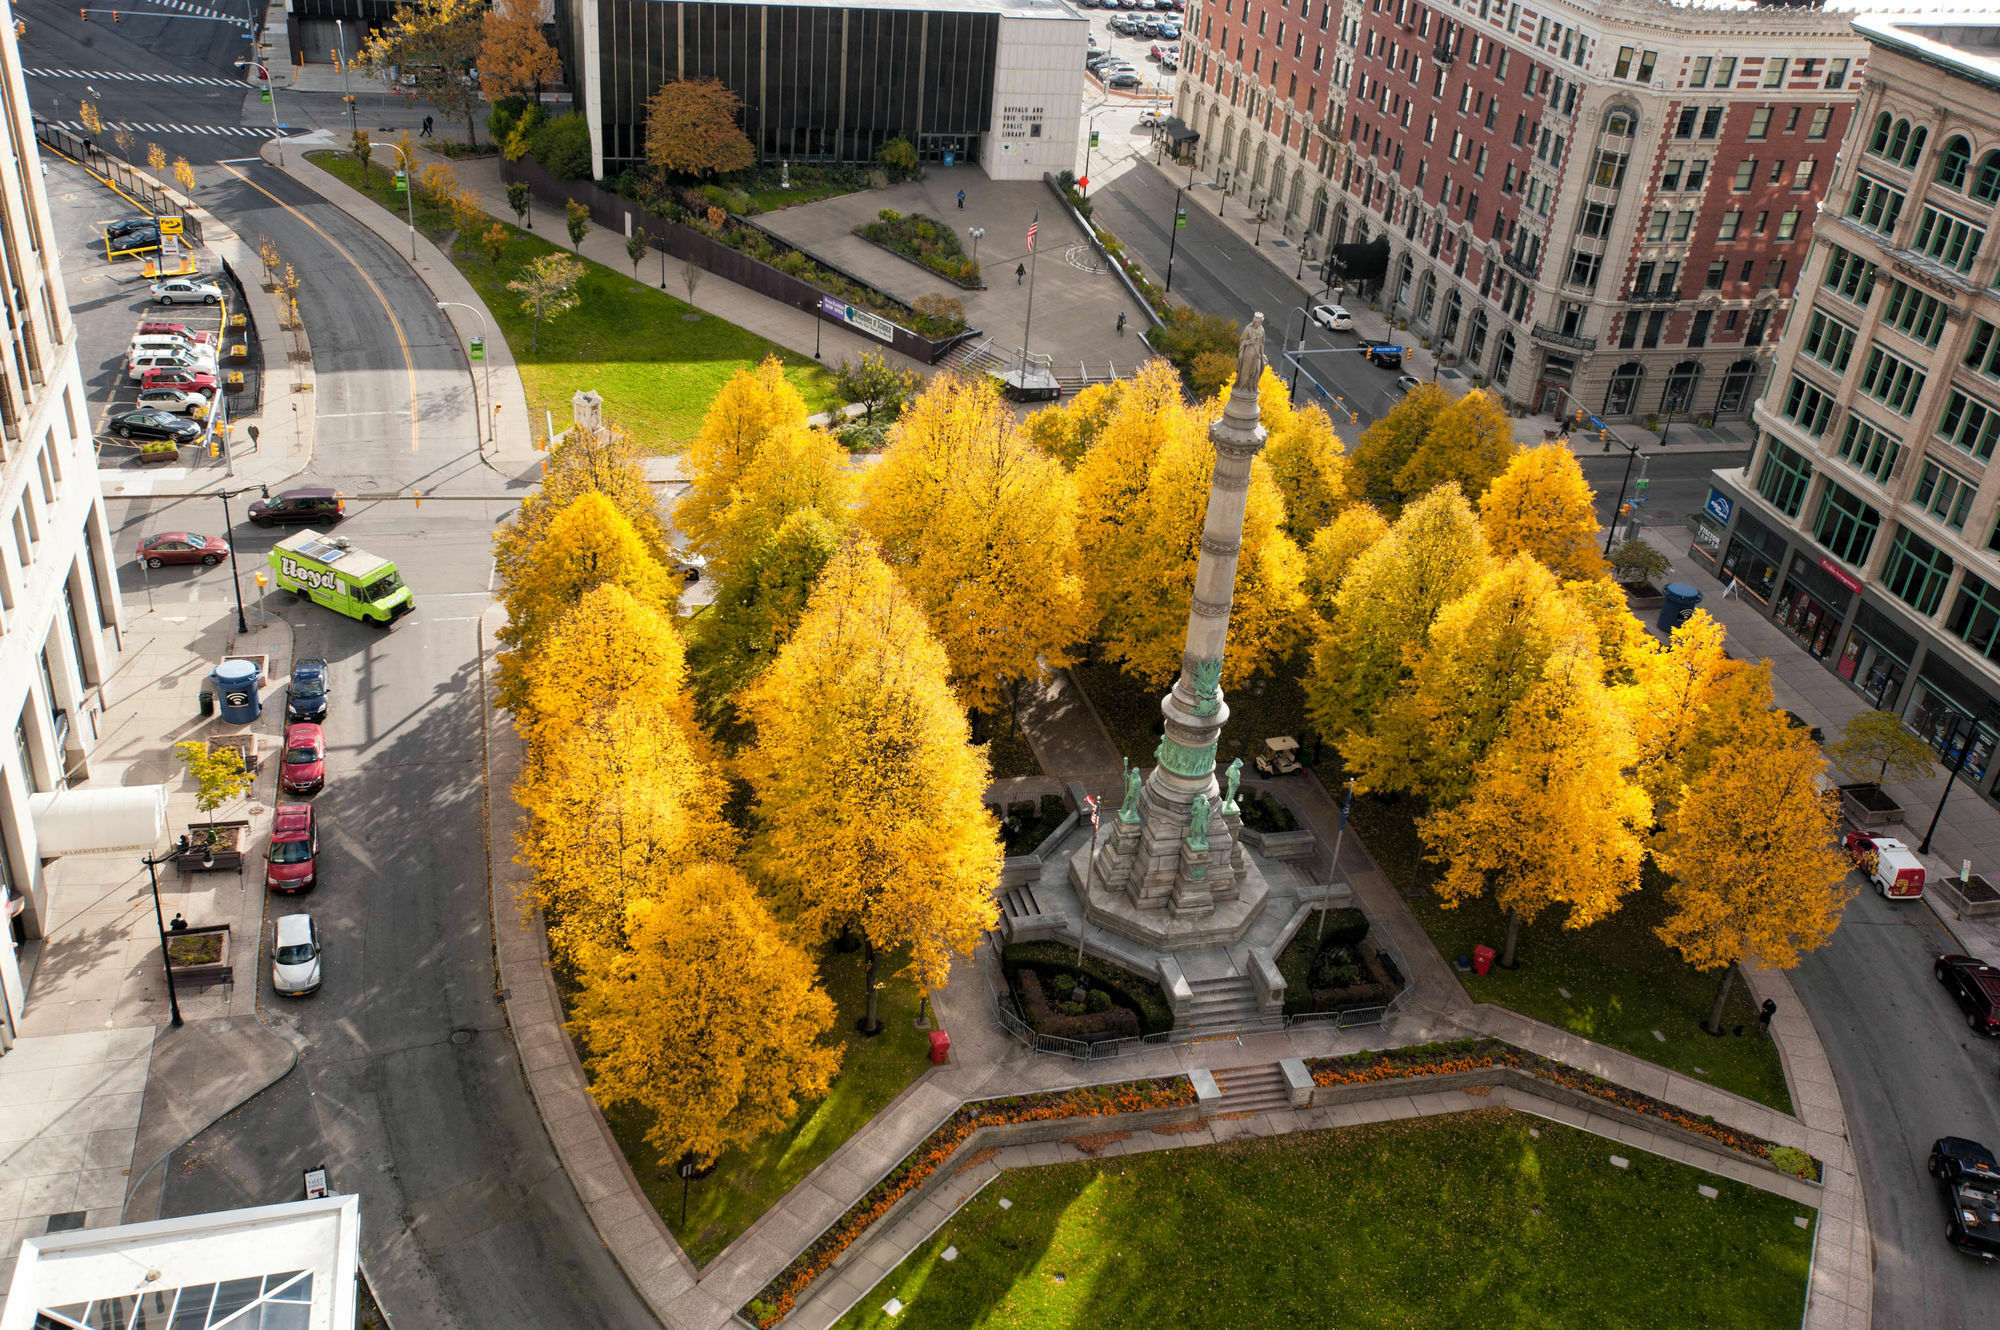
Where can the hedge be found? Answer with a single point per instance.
(1048, 959)
(1091, 1027)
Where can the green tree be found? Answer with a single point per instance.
(547, 288)
(364, 148)
(576, 218)
(875, 383)
(869, 800)
(1880, 739)
(1636, 561)
(899, 157)
(1201, 348)
(519, 201)
(219, 774)
(636, 246)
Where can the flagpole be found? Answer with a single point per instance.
(1340, 837)
(1033, 254)
(1089, 869)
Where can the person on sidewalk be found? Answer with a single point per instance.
(961, 200)
(1020, 272)
(1121, 323)
(1766, 1012)
(426, 132)
(177, 924)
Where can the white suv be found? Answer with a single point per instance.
(295, 955)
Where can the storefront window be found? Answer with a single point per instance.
(1812, 605)
(1953, 714)
(1876, 658)
(1753, 558)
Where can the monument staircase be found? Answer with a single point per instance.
(1257, 1089)
(1226, 1005)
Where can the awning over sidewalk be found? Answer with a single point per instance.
(98, 821)
(1176, 130)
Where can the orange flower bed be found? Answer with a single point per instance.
(1465, 1055)
(778, 1297)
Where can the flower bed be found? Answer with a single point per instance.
(1069, 1009)
(1471, 1055)
(924, 241)
(1136, 992)
(776, 1298)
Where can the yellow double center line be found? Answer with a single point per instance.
(409, 364)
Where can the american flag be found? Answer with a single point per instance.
(1089, 801)
(1033, 227)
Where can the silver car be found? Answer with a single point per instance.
(295, 956)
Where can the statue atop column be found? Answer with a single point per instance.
(1250, 353)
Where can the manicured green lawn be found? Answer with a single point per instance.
(1458, 1221)
(657, 370)
(748, 1181)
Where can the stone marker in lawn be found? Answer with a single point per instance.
(1620, 1161)
(948, 1254)
(1710, 1192)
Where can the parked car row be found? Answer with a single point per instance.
(1145, 6)
(291, 863)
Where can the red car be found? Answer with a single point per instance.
(199, 380)
(292, 861)
(180, 330)
(304, 769)
(165, 547)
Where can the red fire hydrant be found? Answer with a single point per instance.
(1482, 959)
(940, 1046)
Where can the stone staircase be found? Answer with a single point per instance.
(1256, 1089)
(974, 357)
(1023, 919)
(1222, 1006)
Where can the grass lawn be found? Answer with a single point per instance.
(1269, 705)
(1456, 1221)
(748, 1181)
(657, 370)
(770, 200)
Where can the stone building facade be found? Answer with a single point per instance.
(1601, 205)
(1868, 519)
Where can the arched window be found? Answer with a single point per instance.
(1618, 123)
(1878, 142)
(1475, 341)
(1624, 389)
(1426, 297)
(1952, 162)
(1679, 392)
(1918, 137)
(1899, 140)
(1503, 359)
(1986, 184)
(1735, 387)
(1453, 308)
(1297, 196)
(1403, 275)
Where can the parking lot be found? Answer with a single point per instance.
(1155, 77)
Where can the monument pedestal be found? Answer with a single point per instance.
(1161, 927)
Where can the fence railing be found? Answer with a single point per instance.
(1083, 1050)
(1354, 1017)
(149, 194)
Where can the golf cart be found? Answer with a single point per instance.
(1282, 759)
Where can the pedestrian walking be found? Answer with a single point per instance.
(1765, 1013)
(1121, 323)
(1020, 272)
(961, 200)
(177, 924)
(427, 128)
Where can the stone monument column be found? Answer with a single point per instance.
(1184, 859)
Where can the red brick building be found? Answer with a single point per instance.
(1594, 205)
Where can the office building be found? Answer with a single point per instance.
(1865, 522)
(1595, 204)
(59, 611)
(993, 82)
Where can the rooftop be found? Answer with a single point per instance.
(1966, 45)
(1046, 9)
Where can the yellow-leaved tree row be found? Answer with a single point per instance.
(869, 800)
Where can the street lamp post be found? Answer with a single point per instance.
(1951, 778)
(160, 921)
(976, 232)
(264, 74)
(347, 92)
(1261, 212)
(1298, 360)
(1174, 235)
(410, 198)
(1089, 142)
(473, 309)
(229, 524)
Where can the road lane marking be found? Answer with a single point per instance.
(409, 363)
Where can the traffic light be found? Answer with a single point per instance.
(1578, 419)
(1604, 436)
(215, 447)
(116, 17)
(83, 13)
(1354, 417)
(418, 496)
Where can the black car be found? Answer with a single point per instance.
(1387, 357)
(320, 507)
(154, 425)
(142, 239)
(306, 698)
(126, 225)
(1970, 1177)
(1975, 986)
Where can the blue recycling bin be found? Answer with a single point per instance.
(235, 683)
(1679, 602)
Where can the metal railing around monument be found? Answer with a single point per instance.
(1008, 1013)
(1353, 1017)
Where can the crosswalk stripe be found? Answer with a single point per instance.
(122, 75)
(234, 131)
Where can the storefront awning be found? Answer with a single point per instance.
(1176, 130)
(99, 821)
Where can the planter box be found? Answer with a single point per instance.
(159, 456)
(1642, 595)
(200, 971)
(230, 838)
(1867, 805)
(245, 746)
(1975, 899)
(1283, 846)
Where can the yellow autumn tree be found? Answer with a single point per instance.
(1484, 651)
(1470, 442)
(585, 545)
(608, 646)
(1623, 643)
(1306, 459)
(606, 463)
(710, 1023)
(1672, 702)
(1552, 818)
(1333, 551)
(1387, 446)
(1145, 628)
(795, 468)
(1111, 481)
(752, 406)
(1432, 555)
(869, 806)
(1066, 431)
(1542, 505)
(980, 526)
(1751, 856)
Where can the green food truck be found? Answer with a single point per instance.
(328, 570)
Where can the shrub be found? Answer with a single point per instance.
(1264, 814)
(1062, 985)
(1344, 928)
(1069, 1020)
(1099, 1000)
(1070, 1008)
(1796, 1162)
(890, 215)
(562, 146)
(1125, 989)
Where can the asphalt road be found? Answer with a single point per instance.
(409, 1087)
(1909, 1072)
(1218, 273)
(1678, 482)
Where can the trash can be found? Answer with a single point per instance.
(235, 683)
(1678, 602)
(940, 1046)
(1482, 959)
(207, 703)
